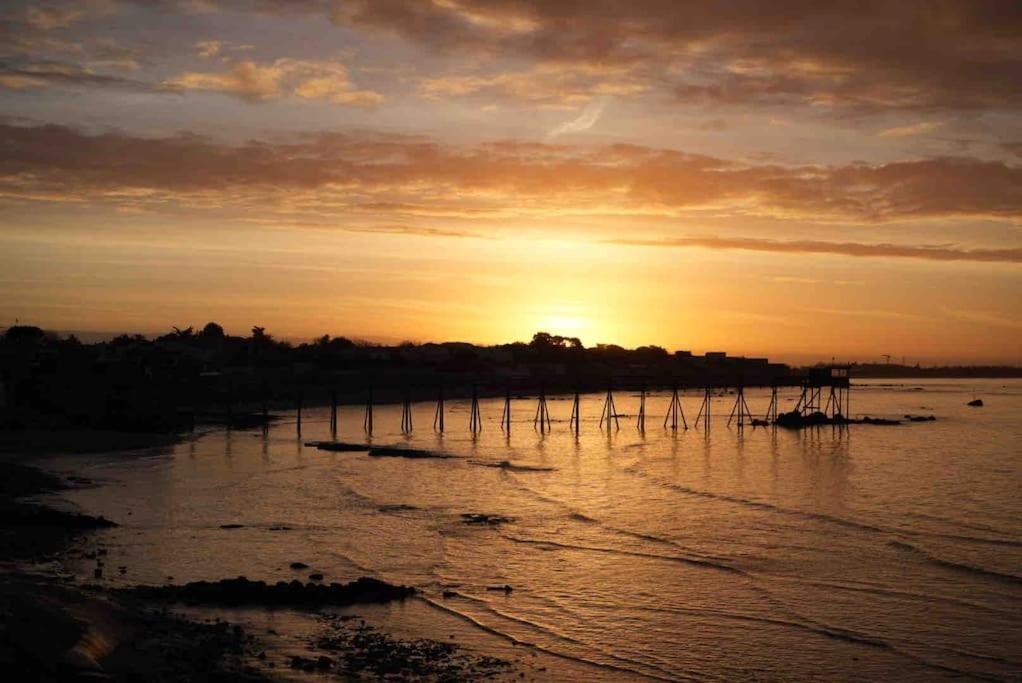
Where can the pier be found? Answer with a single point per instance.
(823, 397)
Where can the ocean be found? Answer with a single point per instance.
(856, 553)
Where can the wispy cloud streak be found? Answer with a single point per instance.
(883, 250)
(584, 121)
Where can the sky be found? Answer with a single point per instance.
(796, 179)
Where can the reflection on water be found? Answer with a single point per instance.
(829, 553)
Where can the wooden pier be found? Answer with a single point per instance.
(824, 397)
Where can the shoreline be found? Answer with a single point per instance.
(53, 627)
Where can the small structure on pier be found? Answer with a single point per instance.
(835, 380)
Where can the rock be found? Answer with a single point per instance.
(484, 518)
(403, 452)
(975, 403)
(231, 526)
(316, 577)
(242, 591)
(299, 565)
(337, 446)
(302, 663)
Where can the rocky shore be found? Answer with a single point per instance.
(53, 629)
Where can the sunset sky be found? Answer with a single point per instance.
(798, 179)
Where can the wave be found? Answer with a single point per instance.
(540, 648)
(697, 562)
(582, 517)
(891, 592)
(818, 516)
(957, 566)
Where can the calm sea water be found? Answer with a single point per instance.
(831, 554)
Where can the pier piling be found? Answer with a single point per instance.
(438, 418)
(771, 411)
(740, 409)
(505, 417)
(609, 411)
(674, 411)
(704, 409)
(640, 421)
(333, 413)
(542, 417)
(367, 421)
(576, 414)
(406, 414)
(475, 420)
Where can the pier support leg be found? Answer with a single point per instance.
(333, 413)
(475, 420)
(576, 415)
(704, 409)
(640, 421)
(438, 417)
(609, 411)
(406, 414)
(674, 412)
(367, 421)
(542, 417)
(505, 417)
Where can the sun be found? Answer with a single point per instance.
(565, 325)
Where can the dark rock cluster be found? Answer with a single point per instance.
(358, 651)
(242, 591)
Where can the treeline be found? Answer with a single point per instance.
(899, 371)
(134, 382)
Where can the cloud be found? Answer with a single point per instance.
(208, 48)
(953, 54)
(549, 85)
(29, 74)
(48, 18)
(246, 79)
(306, 79)
(910, 130)
(932, 253)
(390, 174)
(851, 56)
(212, 49)
(584, 121)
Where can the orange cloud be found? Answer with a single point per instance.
(932, 253)
(338, 172)
(306, 79)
